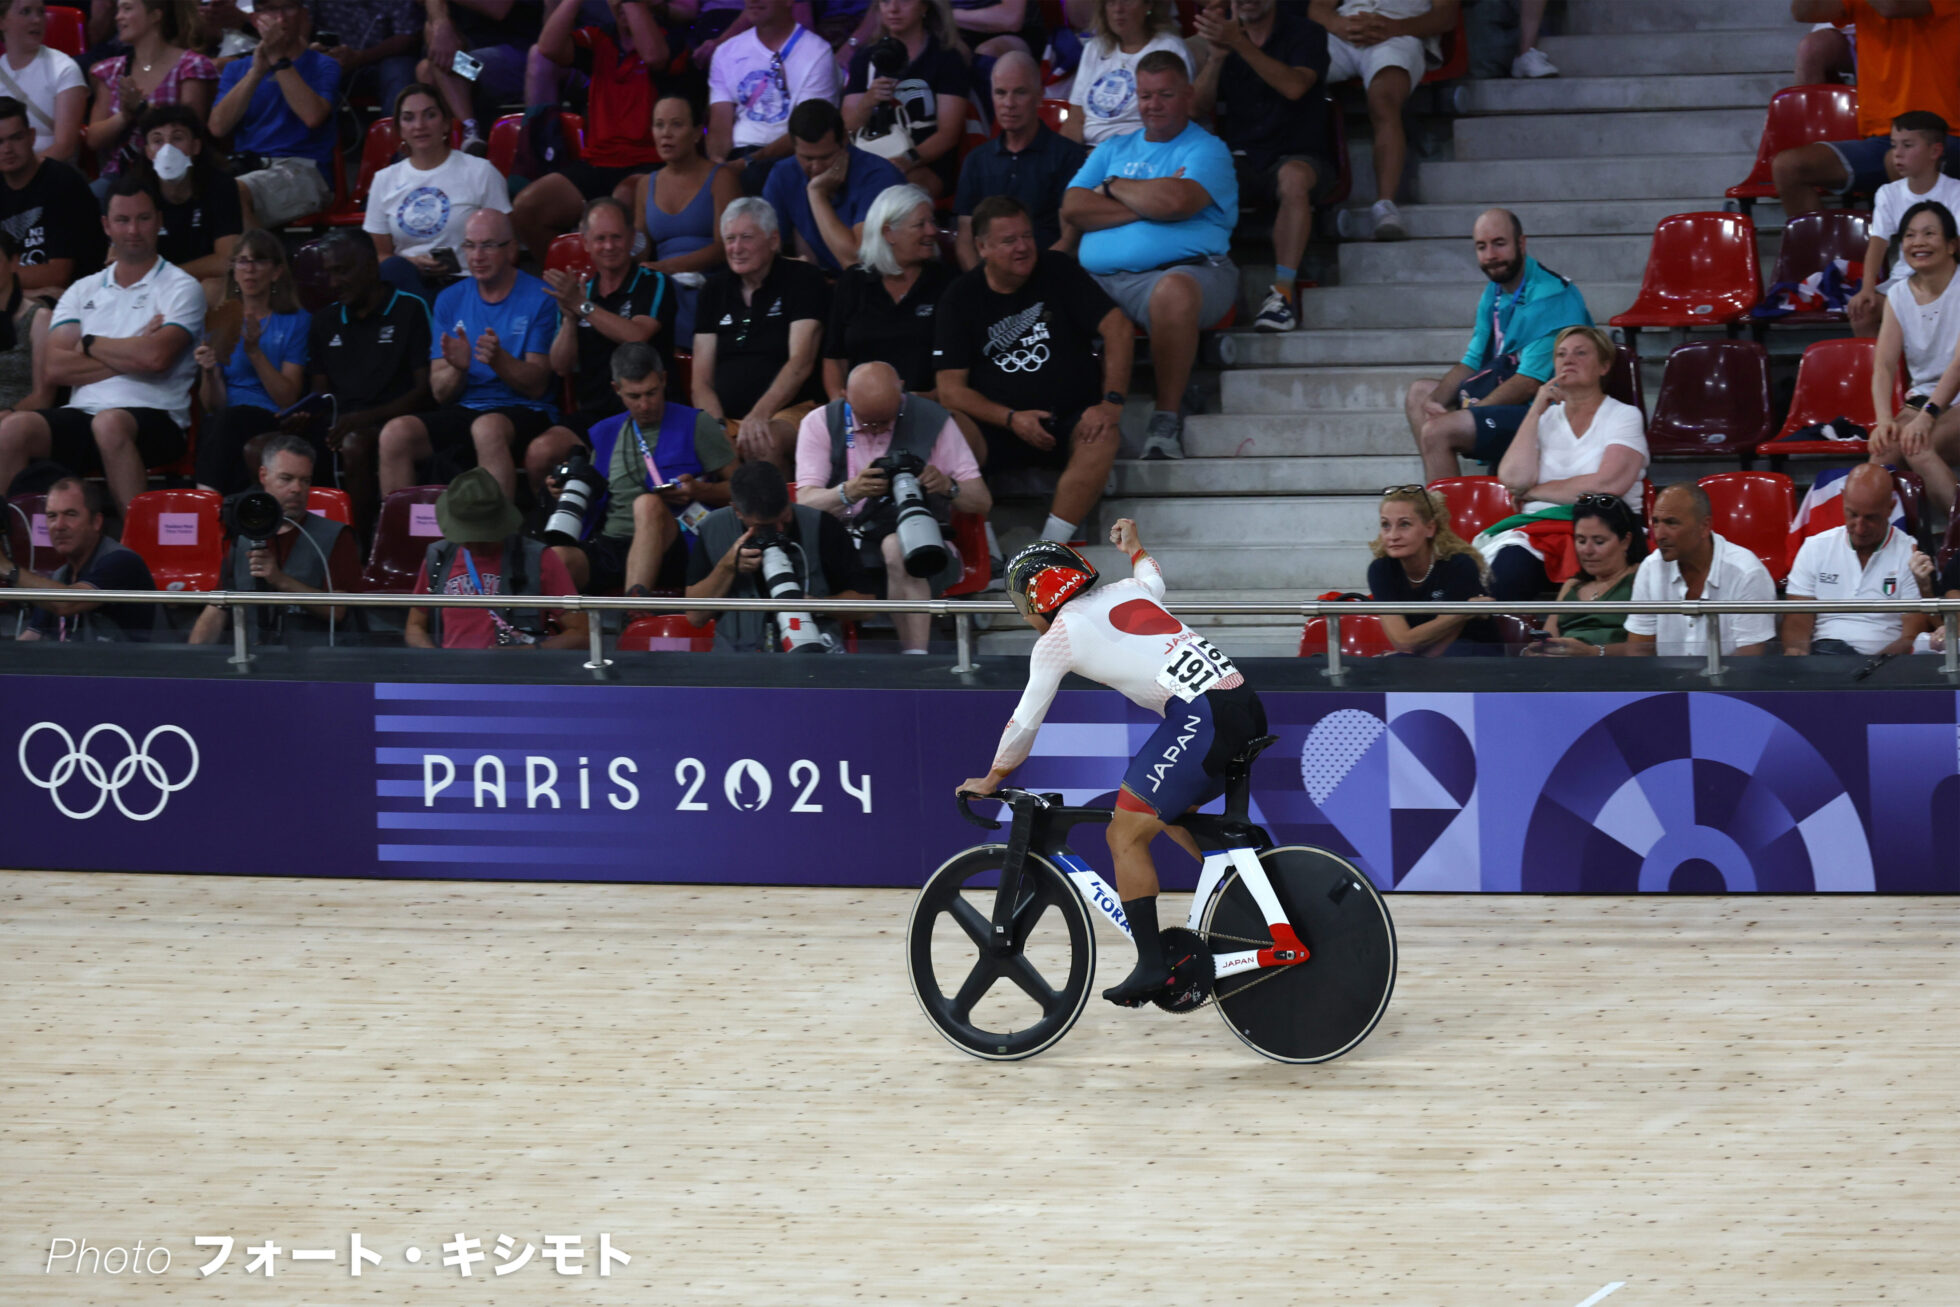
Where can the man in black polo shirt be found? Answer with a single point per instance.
(1026, 160)
(47, 207)
(622, 303)
(1266, 79)
(371, 353)
(757, 332)
(1016, 353)
(91, 561)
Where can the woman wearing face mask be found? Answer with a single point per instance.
(252, 364)
(201, 218)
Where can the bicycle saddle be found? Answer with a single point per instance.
(1241, 764)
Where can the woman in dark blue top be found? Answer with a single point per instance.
(252, 362)
(1418, 557)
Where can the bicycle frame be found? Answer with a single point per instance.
(1287, 949)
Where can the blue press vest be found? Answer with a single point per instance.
(673, 448)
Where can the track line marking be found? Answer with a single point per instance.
(1617, 1284)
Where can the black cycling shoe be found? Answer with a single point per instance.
(1144, 983)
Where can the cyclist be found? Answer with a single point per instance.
(1121, 636)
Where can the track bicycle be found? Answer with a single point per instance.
(1293, 945)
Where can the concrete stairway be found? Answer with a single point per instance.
(1658, 110)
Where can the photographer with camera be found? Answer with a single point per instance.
(898, 85)
(483, 551)
(894, 468)
(654, 472)
(764, 546)
(324, 562)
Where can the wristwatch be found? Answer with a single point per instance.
(1113, 397)
(279, 67)
(586, 310)
(88, 343)
(1930, 409)
(1105, 188)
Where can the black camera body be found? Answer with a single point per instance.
(903, 509)
(888, 59)
(254, 518)
(584, 487)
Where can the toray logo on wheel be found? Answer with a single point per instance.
(136, 769)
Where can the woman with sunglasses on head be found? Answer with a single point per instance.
(1609, 542)
(252, 364)
(1922, 318)
(1418, 557)
(1575, 440)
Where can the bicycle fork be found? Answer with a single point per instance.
(1286, 950)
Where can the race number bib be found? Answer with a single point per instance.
(1194, 668)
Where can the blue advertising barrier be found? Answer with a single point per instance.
(1586, 791)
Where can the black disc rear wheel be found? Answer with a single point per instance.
(1013, 1004)
(1323, 1007)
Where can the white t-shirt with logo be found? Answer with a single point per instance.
(741, 74)
(103, 308)
(1827, 567)
(425, 211)
(1106, 85)
(48, 74)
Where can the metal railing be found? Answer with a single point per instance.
(962, 611)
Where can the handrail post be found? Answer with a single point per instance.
(1333, 670)
(1714, 669)
(598, 662)
(1951, 621)
(241, 652)
(963, 642)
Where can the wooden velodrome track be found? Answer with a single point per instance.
(1703, 1100)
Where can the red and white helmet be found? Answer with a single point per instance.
(1045, 575)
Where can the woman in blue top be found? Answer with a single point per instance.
(252, 362)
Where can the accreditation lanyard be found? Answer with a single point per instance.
(476, 581)
(652, 472)
(1497, 317)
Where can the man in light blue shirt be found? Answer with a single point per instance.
(1476, 406)
(1156, 210)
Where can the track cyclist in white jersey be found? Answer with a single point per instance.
(1121, 636)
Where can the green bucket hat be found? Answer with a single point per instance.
(473, 507)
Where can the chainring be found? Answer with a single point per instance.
(1192, 971)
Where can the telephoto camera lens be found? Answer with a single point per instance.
(780, 580)
(583, 487)
(255, 518)
(919, 536)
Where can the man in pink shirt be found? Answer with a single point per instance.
(483, 551)
(836, 446)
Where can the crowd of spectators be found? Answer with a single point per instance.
(782, 242)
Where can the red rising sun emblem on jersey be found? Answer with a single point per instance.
(1141, 617)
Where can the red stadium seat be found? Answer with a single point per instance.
(179, 534)
(1056, 112)
(1361, 637)
(1343, 161)
(1811, 241)
(567, 253)
(382, 145)
(1754, 510)
(402, 536)
(1456, 54)
(1910, 491)
(335, 504)
(970, 534)
(666, 631)
(1714, 402)
(27, 532)
(1798, 115)
(1702, 271)
(1949, 544)
(184, 466)
(1834, 380)
(1474, 502)
(67, 30)
(507, 134)
(1623, 379)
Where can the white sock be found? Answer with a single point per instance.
(920, 652)
(1056, 529)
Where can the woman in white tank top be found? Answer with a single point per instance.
(1922, 319)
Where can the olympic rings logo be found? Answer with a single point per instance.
(1023, 360)
(108, 781)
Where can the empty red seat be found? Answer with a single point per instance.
(666, 631)
(1474, 502)
(27, 534)
(1714, 402)
(1056, 112)
(1754, 510)
(567, 253)
(1361, 637)
(507, 134)
(66, 30)
(179, 534)
(1622, 380)
(1702, 271)
(1834, 380)
(970, 534)
(1811, 243)
(335, 504)
(402, 536)
(1798, 115)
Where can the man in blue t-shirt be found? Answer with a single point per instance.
(1476, 407)
(1156, 209)
(278, 105)
(490, 365)
(823, 192)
